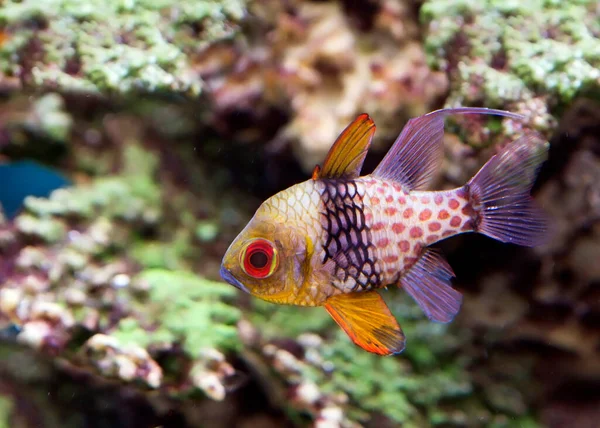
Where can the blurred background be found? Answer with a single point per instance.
(137, 137)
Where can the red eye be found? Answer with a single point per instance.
(259, 258)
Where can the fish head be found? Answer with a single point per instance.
(268, 257)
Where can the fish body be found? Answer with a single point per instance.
(337, 238)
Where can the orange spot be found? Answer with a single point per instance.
(467, 210)
(390, 211)
(407, 213)
(375, 200)
(462, 194)
(432, 238)
(380, 190)
(389, 199)
(425, 215)
(383, 242)
(438, 199)
(416, 232)
(447, 233)
(443, 215)
(434, 226)
(453, 204)
(316, 172)
(385, 184)
(378, 226)
(369, 183)
(391, 258)
(402, 200)
(397, 187)
(368, 217)
(467, 226)
(398, 228)
(409, 261)
(390, 271)
(425, 200)
(404, 246)
(455, 221)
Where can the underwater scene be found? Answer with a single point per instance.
(299, 213)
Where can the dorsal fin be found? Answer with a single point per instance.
(417, 152)
(346, 156)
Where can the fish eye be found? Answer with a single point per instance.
(259, 258)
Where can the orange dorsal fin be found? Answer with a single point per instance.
(346, 156)
(316, 172)
(368, 321)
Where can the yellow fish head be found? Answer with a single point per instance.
(267, 258)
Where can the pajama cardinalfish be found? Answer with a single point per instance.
(337, 238)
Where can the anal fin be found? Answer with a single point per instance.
(428, 283)
(368, 321)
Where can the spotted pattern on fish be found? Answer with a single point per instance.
(347, 241)
(402, 228)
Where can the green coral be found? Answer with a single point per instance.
(54, 121)
(277, 320)
(6, 409)
(186, 308)
(407, 388)
(96, 249)
(131, 196)
(509, 52)
(108, 46)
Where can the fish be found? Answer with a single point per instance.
(337, 239)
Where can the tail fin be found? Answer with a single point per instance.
(499, 194)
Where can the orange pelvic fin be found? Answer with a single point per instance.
(347, 155)
(368, 321)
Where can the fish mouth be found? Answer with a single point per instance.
(230, 279)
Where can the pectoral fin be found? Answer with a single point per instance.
(346, 156)
(368, 321)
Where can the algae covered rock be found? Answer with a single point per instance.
(336, 382)
(83, 279)
(532, 57)
(111, 46)
(322, 64)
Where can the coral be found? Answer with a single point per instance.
(318, 65)
(111, 46)
(6, 408)
(534, 57)
(91, 257)
(327, 374)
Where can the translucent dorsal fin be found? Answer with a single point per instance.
(346, 156)
(417, 152)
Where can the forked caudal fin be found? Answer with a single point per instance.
(499, 194)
